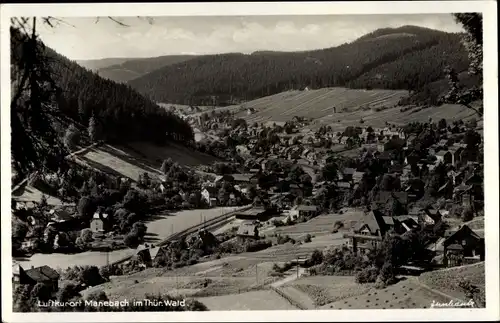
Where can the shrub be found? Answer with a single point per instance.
(285, 239)
(367, 275)
(278, 223)
(131, 240)
(316, 257)
(67, 292)
(90, 276)
(257, 245)
(307, 238)
(337, 225)
(387, 274)
(41, 292)
(85, 238)
(86, 207)
(110, 270)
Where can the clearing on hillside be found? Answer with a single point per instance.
(115, 161)
(156, 154)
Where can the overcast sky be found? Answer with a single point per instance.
(83, 38)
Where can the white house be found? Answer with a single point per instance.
(209, 195)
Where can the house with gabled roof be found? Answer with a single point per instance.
(40, 275)
(303, 210)
(463, 194)
(431, 216)
(369, 231)
(209, 195)
(347, 174)
(385, 197)
(100, 222)
(463, 242)
(444, 157)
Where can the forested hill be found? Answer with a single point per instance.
(402, 58)
(134, 68)
(121, 113)
(95, 64)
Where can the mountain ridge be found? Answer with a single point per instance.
(228, 78)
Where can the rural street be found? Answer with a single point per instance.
(289, 278)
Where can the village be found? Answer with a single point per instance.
(344, 174)
(421, 183)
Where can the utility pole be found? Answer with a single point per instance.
(297, 267)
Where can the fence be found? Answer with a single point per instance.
(288, 298)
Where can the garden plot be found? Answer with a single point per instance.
(317, 103)
(29, 194)
(405, 294)
(320, 225)
(289, 251)
(378, 119)
(328, 289)
(263, 300)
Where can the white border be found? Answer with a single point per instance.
(489, 10)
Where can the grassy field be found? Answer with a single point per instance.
(394, 116)
(317, 104)
(288, 251)
(116, 161)
(405, 294)
(264, 300)
(320, 225)
(328, 289)
(30, 194)
(137, 158)
(446, 280)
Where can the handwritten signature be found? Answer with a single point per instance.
(452, 303)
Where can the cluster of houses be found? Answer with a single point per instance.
(461, 241)
(463, 187)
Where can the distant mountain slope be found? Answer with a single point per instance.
(228, 78)
(95, 64)
(130, 69)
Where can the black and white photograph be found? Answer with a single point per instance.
(214, 160)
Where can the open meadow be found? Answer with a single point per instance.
(137, 158)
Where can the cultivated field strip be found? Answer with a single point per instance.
(316, 103)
